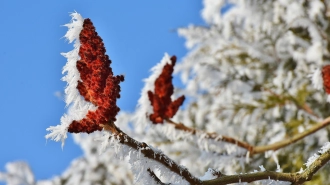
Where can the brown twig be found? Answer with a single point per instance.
(287, 141)
(148, 152)
(255, 149)
(213, 136)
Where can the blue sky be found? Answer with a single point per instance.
(136, 35)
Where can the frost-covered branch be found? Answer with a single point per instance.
(254, 149)
(148, 152)
(287, 141)
(294, 178)
(213, 136)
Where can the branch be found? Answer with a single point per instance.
(295, 178)
(255, 149)
(287, 141)
(213, 135)
(148, 152)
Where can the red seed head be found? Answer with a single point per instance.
(97, 85)
(161, 101)
(326, 78)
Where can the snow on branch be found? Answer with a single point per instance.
(314, 164)
(250, 148)
(313, 158)
(149, 152)
(295, 178)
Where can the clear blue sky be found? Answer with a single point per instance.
(136, 35)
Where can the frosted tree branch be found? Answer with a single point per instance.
(254, 149)
(148, 152)
(213, 136)
(295, 178)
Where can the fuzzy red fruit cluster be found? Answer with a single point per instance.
(163, 106)
(98, 85)
(326, 78)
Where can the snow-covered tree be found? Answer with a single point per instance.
(256, 91)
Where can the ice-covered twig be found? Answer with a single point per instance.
(149, 153)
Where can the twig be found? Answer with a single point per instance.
(213, 136)
(148, 152)
(255, 149)
(287, 141)
(295, 178)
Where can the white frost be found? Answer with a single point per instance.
(317, 79)
(262, 168)
(208, 175)
(77, 106)
(325, 148)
